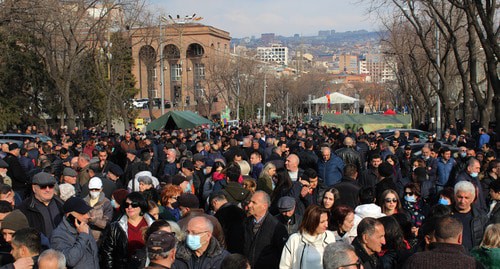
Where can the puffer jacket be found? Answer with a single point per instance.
(330, 171)
(301, 247)
(101, 214)
(211, 259)
(114, 245)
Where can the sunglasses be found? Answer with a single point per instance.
(409, 193)
(43, 187)
(388, 200)
(133, 204)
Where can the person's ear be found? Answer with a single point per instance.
(459, 241)
(364, 238)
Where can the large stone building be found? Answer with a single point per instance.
(187, 49)
(379, 68)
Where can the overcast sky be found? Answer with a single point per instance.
(243, 18)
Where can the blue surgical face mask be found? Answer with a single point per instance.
(187, 189)
(113, 203)
(463, 154)
(443, 201)
(193, 241)
(474, 174)
(411, 199)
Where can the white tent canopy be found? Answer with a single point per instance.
(335, 98)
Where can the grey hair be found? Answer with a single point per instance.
(266, 198)
(145, 180)
(51, 254)
(465, 186)
(336, 255)
(84, 156)
(159, 256)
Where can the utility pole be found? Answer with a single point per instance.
(438, 106)
(264, 103)
(309, 108)
(162, 69)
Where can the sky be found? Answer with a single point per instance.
(244, 18)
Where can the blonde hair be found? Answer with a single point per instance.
(491, 238)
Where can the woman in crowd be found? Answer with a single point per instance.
(216, 175)
(416, 208)
(147, 189)
(267, 178)
(393, 160)
(488, 252)
(395, 250)
(328, 198)
(283, 186)
(117, 199)
(125, 236)
(341, 222)
(153, 210)
(390, 203)
(305, 248)
(169, 195)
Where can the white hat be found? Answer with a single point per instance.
(95, 183)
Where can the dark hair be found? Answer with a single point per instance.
(414, 187)
(366, 195)
(284, 183)
(447, 228)
(28, 237)
(138, 198)
(5, 207)
(308, 174)
(234, 261)
(492, 165)
(4, 188)
(439, 211)
(233, 172)
(312, 218)
(394, 238)
(367, 226)
(350, 170)
(495, 185)
(339, 213)
(449, 193)
(335, 192)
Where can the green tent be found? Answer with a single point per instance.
(177, 120)
(368, 122)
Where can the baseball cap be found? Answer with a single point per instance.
(161, 241)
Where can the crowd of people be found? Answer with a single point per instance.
(274, 196)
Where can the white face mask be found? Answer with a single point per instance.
(94, 194)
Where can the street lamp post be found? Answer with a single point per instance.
(162, 69)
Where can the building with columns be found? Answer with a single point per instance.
(186, 49)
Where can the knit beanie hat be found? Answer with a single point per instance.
(120, 195)
(16, 220)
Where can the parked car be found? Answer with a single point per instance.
(388, 134)
(22, 137)
(140, 103)
(10, 141)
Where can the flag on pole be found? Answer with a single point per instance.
(328, 99)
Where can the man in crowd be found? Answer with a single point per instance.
(349, 155)
(368, 243)
(340, 255)
(73, 238)
(51, 259)
(43, 209)
(265, 237)
(330, 167)
(200, 249)
(472, 219)
(161, 248)
(15, 170)
(348, 187)
(26, 246)
(231, 218)
(447, 251)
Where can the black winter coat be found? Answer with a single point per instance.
(264, 248)
(35, 218)
(115, 243)
(211, 259)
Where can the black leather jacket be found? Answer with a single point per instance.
(349, 155)
(114, 246)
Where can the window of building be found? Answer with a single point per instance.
(199, 71)
(175, 72)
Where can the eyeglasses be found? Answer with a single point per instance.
(357, 264)
(193, 233)
(43, 187)
(133, 204)
(95, 189)
(388, 200)
(409, 193)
